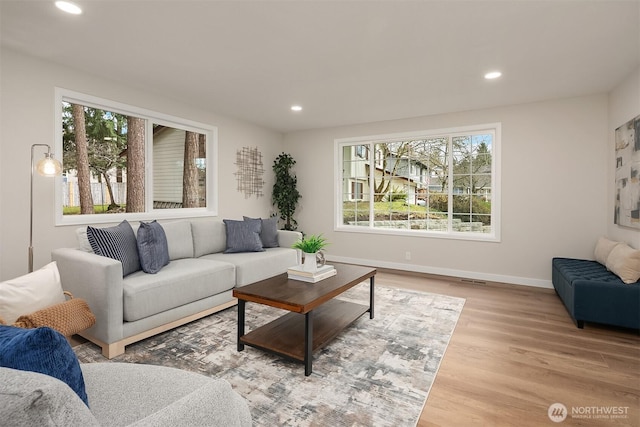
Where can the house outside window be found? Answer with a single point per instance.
(356, 190)
(442, 183)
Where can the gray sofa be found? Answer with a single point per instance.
(197, 282)
(121, 394)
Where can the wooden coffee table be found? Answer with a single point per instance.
(315, 318)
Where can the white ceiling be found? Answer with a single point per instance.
(345, 62)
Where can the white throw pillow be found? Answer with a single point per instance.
(83, 240)
(603, 249)
(31, 292)
(624, 261)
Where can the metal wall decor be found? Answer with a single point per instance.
(250, 172)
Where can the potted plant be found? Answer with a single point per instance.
(311, 247)
(285, 195)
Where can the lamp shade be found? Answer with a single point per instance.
(49, 166)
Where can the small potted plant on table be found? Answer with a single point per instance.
(311, 247)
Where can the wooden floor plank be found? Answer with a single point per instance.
(515, 351)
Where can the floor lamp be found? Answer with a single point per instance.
(48, 166)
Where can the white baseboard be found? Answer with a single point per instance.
(472, 275)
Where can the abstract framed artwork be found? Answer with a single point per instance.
(627, 185)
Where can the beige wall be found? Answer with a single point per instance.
(27, 117)
(554, 192)
(624, 105)
(557, 176)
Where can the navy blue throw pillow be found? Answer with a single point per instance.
(152, 247)
(42, 350)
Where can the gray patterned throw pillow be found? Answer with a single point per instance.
(243, 236)
(153, 249)
(268, 231)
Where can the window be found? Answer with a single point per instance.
(356, 190)
(121, 161)
(442, 183)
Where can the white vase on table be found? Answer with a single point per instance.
(310, 263)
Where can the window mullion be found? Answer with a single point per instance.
(148, 176)
(450, 184)
(372, 175)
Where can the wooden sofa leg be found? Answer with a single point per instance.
(580, 324)
(112, 350)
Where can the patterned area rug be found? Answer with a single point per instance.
(377, 372)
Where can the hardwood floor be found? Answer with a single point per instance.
(515, 352)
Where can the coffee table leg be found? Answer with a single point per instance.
(308, 342)
(371, 286)
(240, 323)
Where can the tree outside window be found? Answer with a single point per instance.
(440, 182)
(105, 163)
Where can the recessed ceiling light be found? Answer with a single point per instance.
(69, 7)
(492, 75)
(296, 108)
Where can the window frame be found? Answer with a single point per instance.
(150, 118)
(493, 236)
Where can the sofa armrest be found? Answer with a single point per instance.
(214, 403)
(286, 239)
(98, 280)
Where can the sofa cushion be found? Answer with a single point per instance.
(41, 350)
(31, 292)
(624, 261)
(34, 399)
(117, 242)
(603, 249)
(181, 282)
(83, 240)
(268, 231)
(252, 267)
(179, 239)
(243, 236)
(209, 236)
(152, 247)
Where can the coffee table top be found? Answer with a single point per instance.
(302, 297)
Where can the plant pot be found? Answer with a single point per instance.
(310, 263)
(313, 261)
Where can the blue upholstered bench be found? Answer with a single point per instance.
(591, 293)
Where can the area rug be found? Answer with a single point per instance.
(377, 372)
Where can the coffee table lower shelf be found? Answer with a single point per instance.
(285, 336)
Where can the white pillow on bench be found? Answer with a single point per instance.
(624, 261)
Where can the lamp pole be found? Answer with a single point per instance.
(46, 167)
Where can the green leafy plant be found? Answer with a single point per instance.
(397, 195)
(285, 195)
(311, 244)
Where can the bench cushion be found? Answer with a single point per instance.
(581, 269)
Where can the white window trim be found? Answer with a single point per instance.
(151, 117)
(494, 236)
